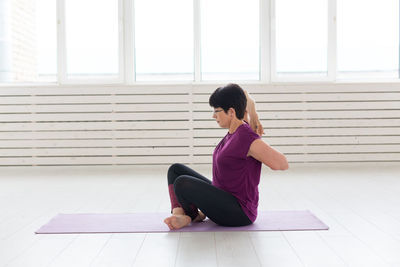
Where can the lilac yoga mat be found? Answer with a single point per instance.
(153, 223)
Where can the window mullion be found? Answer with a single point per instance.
(332, 41)
(61, 43)
(128, 42)
(197, 40)
(273, 75)
(121, 45)
(265, 41)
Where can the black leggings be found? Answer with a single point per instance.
(194, 191)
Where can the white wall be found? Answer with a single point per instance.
(162, 124)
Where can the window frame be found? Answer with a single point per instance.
(267, 49)
(62, 50)
(330, 49)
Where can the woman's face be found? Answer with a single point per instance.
(222, 118)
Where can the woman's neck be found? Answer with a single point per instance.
(235, 123)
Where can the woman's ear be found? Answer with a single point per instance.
(232, 112)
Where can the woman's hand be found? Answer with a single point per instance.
(256, 125)
(251, 116)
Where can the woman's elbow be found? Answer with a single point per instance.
(280, 168)
(281, 165)
(285, 165)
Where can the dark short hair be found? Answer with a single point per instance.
(229, 96)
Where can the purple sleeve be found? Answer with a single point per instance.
(246, 139)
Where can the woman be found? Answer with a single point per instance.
(231, 198)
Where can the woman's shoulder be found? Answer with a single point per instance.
(245, 132)
(246, 129)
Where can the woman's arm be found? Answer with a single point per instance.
(264, 153)
(251, 115)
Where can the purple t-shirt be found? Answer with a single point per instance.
(235, 172)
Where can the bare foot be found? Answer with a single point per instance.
(200, 217)
(177, 221)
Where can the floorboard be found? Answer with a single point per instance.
(359, 203)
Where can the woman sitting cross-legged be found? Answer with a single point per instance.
(231, 198)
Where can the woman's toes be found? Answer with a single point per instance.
(167, 221)
(179, 221)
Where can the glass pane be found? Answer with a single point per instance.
(301, 37)
(230, 40)
(163, 40)
(46, 32)
(92, 38)
(28, 41)
(368, 38)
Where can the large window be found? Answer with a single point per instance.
(129, 41)
(368, 38)
(230, 40)
(46, 40)
(28, 41)
(164, 40)
(301, 35)
(92, 39)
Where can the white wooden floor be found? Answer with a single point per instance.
(361, 204)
